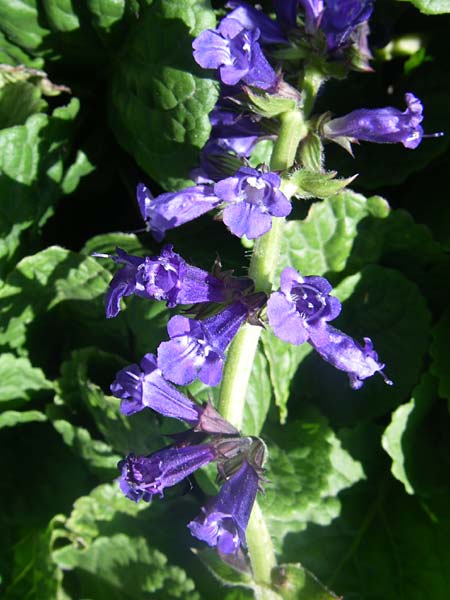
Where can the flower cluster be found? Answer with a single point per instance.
(255, 91)
(223, 520)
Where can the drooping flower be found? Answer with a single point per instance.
(253, 18)
(340, 18)
(252, 199)
(380, 125)
(301, 305)
(224, 520)
(166, 277)
(143, 386)
(197, 348)
(173, 209)
(142, 477)
(235, 51)
(346, 354)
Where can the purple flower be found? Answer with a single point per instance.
(235, 51)
(124, 281)
(381, 125)
(165, 277)
(141, 386)
(197, 348)
(340, 19)
(224, 520)
(142, 477)
(235, 131)
(252, 18)
(252, 199)
(301, 305)
(344, 353)
(173, 209)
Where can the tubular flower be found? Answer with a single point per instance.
(252, 18)
(301, 305)
(173, 209)
(346, 354)
(197, 348)
(380, 125)
(141, 386)
(340, 19)
(224, 520)
(252, 199)
(166, 277)
(235, 51)
(142, 477)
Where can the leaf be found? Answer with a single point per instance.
(35, 576)
(431, 7)
(118, 564)
(307, 468)
(20, 381)
(259, 395)
(159, 113)
(323, 241)
(81, 400)
(60, 291)
(439, 353)
(385, 545)
(284, 360)
(107, 243)
(294, 582)
(81, 167)
(389, 309)
(33, 161)
(10, 54)
(417, 441)
(10, 418)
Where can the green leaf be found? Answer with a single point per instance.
(57, 290)
(307, 468)
(20, 381)
(81, 167)
(10, 418)
(439, 352)
(431, 7)
(10, 54)
(323, 241)
(106, 12)
(106, 243)
(20, 23)
(159, 113)
(385, 545)
(294, 582)
(18, 101)
(33, 160)
(259, 395)
(81, 400)
(284, 360)
(35, 576)
(417, 440)
(109, 563)
(311, 154)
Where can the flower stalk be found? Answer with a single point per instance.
(242, 351)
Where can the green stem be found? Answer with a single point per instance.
(242, 351)
(310, 83)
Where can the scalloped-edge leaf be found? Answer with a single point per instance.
(431, 7)
(307, 469)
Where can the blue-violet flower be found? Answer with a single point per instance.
(166, 277)
(224, 520)
(340, 19)
(143, 385)
(197, 348)
(235, 51)
(253, 18)
(142, 477)
(301, 304)
(346, 354)
(252, 199)
(173, 209)
(381, 125)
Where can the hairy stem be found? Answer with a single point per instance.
(242, 351)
